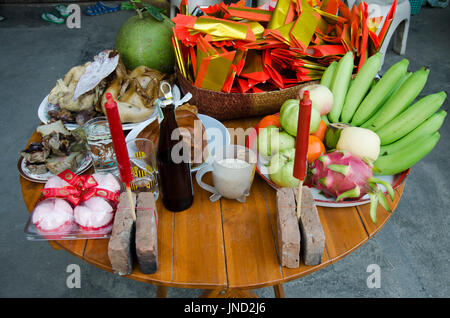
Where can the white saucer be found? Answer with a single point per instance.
(86, 163)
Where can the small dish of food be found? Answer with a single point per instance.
(59, 149)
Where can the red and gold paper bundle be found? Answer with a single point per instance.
(239, 49)
(77, 203)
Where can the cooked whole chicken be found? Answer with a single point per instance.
(134, 93)
(62, 93)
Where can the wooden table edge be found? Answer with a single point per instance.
(285, 279)
(161, 283)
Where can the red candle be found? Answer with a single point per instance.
(301, 147)
(120, 148)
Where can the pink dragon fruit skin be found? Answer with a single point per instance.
(341, 175)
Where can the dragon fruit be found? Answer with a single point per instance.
(341, 175)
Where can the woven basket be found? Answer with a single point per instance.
(416, 5)
(225, 106)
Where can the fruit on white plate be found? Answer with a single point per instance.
(321, 97)
(289, 117)
(341, 175)
(271, 140)
(281, 168)
(360, 142)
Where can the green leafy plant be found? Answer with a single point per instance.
(140, 8)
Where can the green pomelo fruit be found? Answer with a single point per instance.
(146, 41)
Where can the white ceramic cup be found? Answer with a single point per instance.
(233, 170)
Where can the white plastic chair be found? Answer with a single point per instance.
(192, 4)
(399, 26)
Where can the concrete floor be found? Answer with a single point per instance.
(412, 249)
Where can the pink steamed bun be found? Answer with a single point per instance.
(97, 213)
(107, 182)
(55, 182)
(53, 215)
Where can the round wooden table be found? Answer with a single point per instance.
(228, 248)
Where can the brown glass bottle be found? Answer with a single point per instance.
(174, 179)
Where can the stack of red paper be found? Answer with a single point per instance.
(234, 48)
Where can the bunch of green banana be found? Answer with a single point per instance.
(339, 85)
(408, 130)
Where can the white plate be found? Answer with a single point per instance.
(42, 178)
(214, 130)
(320, 199)
(45, 106)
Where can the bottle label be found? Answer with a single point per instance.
(159, 111)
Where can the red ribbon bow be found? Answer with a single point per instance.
(81, 189)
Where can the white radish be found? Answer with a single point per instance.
(360, 142)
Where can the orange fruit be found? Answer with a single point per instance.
(270, 120)
(320, 133)
(316, 148)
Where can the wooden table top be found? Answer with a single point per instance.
(227, 244)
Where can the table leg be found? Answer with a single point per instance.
(161, 291)
(229, 293)
(279, 291)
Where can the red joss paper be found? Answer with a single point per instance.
(274, 47)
